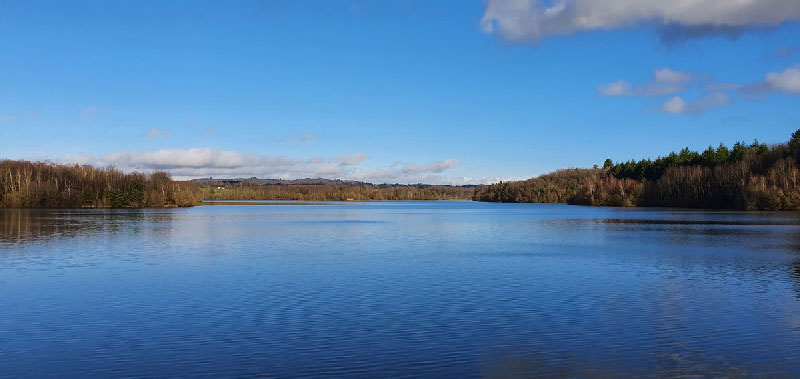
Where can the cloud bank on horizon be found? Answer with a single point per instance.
(534, 20)
(204, 162)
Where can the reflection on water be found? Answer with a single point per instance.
(455, 289)
(796, 274)
(36, 225)
(703, 222)
(23, 225)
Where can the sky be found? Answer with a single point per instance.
(401, 91)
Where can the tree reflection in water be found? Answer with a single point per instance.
(18, 226)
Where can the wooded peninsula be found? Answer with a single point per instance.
(753, 176)
(745, 177)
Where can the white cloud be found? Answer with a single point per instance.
(179, 158)
(388, 176)
(158, 133)
(665, 75)
(677, 105)
(308, 137)
(618, 88)
(787, 80)
(350, 160)
(6, 117)
(91, 112)
(464, 180)
(532, 20)
(435, 167)
(665, 81)
(411, 173)
(205, 162)
(674, 105)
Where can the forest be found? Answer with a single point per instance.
(26, 184)
(354, 191)
(752, 176)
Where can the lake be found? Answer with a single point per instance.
(392, 289)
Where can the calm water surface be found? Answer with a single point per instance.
(455, 289)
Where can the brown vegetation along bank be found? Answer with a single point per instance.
(747, 177)
(47, 185)
(356, 191)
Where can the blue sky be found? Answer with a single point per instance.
(386, 91)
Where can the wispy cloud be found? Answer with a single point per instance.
(785, 81)
(152, 133)
(787, 51)
(26, 114)
(92, 112)
(715, 94)
(533, 20)
(350, 159)
(308, 137)
(412, 173)
(435, 167)
(677, 105)
(665, 81)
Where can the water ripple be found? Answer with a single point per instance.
(398, 290)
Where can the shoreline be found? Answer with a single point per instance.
(213, 203)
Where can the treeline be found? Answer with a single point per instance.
(361, 192)
(746, 177)
(557, 187)
(26, 184)
(647, 169)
